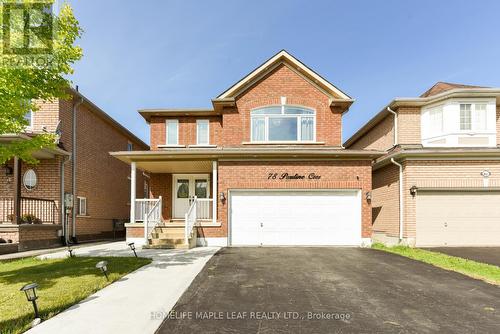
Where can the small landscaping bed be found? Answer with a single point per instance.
(62, 283)
(482, 271)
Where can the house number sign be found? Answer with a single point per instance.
(287, 176)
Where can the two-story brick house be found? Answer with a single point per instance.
(264, 166)
(32, 213)
(439, 182)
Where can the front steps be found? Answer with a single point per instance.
(171, 236)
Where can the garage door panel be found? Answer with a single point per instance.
(298, 218)
(458, 219)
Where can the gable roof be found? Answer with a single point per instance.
(441, 86)
(282, 57)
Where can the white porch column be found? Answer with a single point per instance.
(215, 195)
(132, 191)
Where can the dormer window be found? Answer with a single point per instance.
(283, 124)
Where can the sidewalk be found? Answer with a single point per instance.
(132, 304)
(36, 252)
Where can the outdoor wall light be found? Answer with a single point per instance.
(70, 251)
(132, 247)
(222, 196)
(30, 291)
(413, 190)
(103, 265)
(368, 196)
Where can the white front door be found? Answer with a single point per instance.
(295, 217)
(185, 187)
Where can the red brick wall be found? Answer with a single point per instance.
(187, 130)
(102, 179)
(161, 185)
(233, 127)
(253, 175)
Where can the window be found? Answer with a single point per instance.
(200, 188)
(436, 121)
(172, 132)
(473, 117)
(480, 117)
(29, 119)
(29, 179)
(202, 132)
(182, 188)
(82, 206)
(465, 116)
(130, 146)
(283, 123)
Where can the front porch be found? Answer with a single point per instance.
(179, 203)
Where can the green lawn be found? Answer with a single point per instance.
(482, 271)
(62, 283)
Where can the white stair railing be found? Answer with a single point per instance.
(152, 218)
(190, 220)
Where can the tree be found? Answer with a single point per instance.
(21, 87)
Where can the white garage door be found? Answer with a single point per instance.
(295, 218)
(458, 219)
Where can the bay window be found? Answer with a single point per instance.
(283, 124)
(460, 123)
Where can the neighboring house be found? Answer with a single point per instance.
(264, 166)
(439, 182)
(31, 211)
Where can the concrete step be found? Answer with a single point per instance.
(176, 241)
(166, 235)
(169, 229)
(183, 246)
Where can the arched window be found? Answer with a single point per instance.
(29, 179)
(283, 124)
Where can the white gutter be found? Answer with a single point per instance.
(395, 125)
(400, 198)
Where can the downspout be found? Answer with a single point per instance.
(63, 204)
(400, 198)
(73, 168)
(395, 125)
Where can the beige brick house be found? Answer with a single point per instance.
(32, 213)
(264, 166)
(438, 184)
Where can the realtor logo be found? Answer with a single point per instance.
(27, 33)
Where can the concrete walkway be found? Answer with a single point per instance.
(138, 302)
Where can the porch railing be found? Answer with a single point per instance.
(204, 208)
(152, 218)
(190, 219)
(143, 206)
(33, 210)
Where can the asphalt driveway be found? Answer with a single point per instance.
(489, 255)
(329, 290)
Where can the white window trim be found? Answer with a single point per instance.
(199, 121)
(24, 177)
(176, 122)
(129, 143)
(80, 199)
(299, 125)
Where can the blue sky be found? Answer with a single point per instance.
(164, 53)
